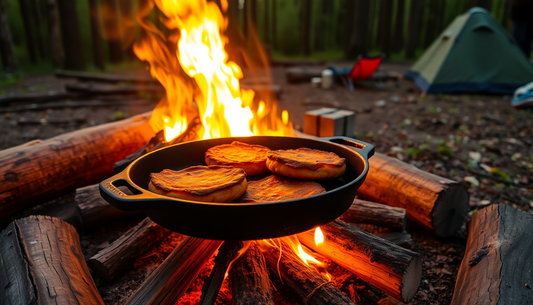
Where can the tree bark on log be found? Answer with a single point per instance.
(394, 270)
(172, 278)
(31, 173)
(41, 263)
(380, 215)
(497, 265)
(95, 211)
(304, 284)
(227, 253)
(436, 203)
(249, 280)
(121, 254)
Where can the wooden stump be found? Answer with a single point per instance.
(41, 263)
(497, 267)
(46, 169)
(436, 203)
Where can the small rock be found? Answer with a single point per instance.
(395, 99)
(527, 286)
(485, 202)
(380, 103)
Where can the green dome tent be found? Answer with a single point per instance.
(473, 54)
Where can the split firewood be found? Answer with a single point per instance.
(49, 168)
(172, 278)
(94, 211)
(402, 239)
(380, 215)
(249, 280)
(158, 141)
(436, 203)
(393, 269)
(120, 255)
(41, 262)
(227, 253)
(291, 275)
(497, 266)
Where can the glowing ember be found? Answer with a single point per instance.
(198, 70)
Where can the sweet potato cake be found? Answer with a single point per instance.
(215, 183)
(251, 158)
(306, 163)
(279, 188)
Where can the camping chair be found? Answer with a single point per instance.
(363, 69)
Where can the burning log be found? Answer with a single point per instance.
(497, 265)
(249, 280)
(306, 285)
(436, 203)
(227, 253)
(45, 169)
(121, 254)
(380, 215)
(394, 270)
(41, 263)
(94, 211)
(172, 278)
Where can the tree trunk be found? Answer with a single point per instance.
(436, 203)
(347, 27)
(413, 30)
(41, 262)
(129, 27)
(266, 17)
(246, 19)
(71, 35)
(7, 51)
(394, 270)
(496, 268)
(26, 13)
(398, 27)
(295, 278)
(29, 174)
(431, 22)
(306, 31)
(94, 211)
(274, 25)
(366, 212)
(385, 22)
(94, 16)
(486, 4)
(37, 17)
(358, 40)
(172, 278)
(112, 30)
(120, 255)
(56, 48)
(249, 280)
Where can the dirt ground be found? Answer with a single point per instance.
(479, 141)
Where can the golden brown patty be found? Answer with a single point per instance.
(279, 188)
(251, 158)
(214, 183)
(306, 163)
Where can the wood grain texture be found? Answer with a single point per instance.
(301, 282)
(41, 263)
(381, 215)
(394, 270)
(94, 211)
(120, 255)
(497, 267)
(172, 278)
(436, 203)
(32, 173)
(249, 280)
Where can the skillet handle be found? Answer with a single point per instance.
(365, 149)
(122, 201)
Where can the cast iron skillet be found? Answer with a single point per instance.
(230, 221)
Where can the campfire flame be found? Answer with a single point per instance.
(192, 64)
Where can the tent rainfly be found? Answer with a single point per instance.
(473, 54)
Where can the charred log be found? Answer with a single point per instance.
(170, 280)
(45, 169)
(249, 280)
(394, 270)
(497, 265)
(298, 280)
(41, 263)
(367, 212)
(436, 203)
(121, 254)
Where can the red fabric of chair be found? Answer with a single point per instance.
(364, 68)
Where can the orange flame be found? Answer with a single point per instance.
(192, 64)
